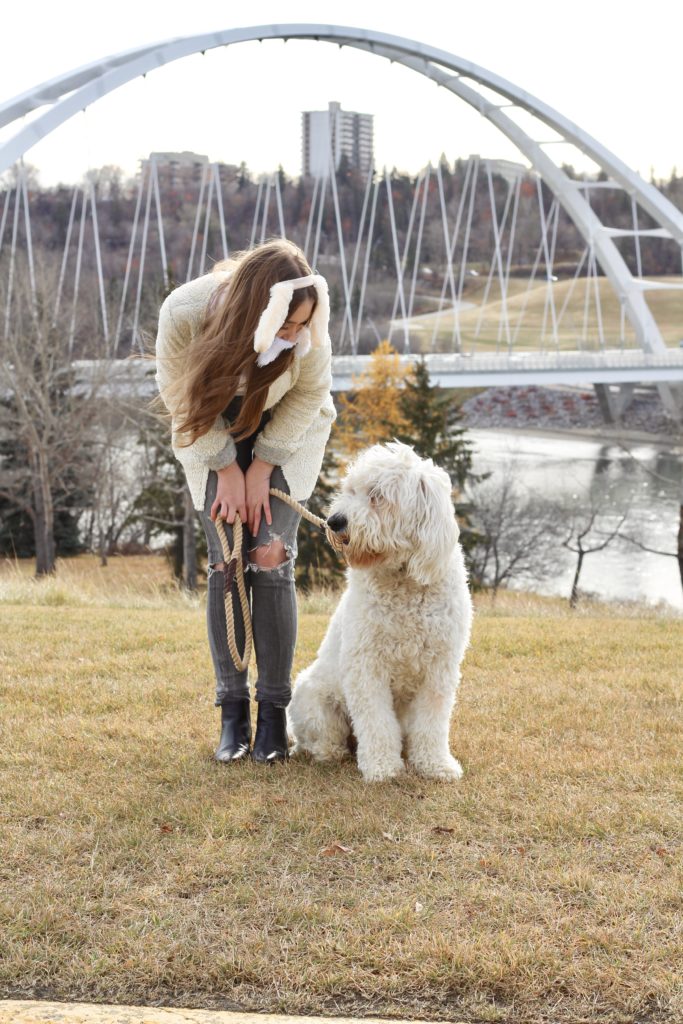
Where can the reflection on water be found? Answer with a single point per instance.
(645, 483)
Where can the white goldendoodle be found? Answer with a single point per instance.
(389, 666)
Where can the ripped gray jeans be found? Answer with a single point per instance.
(271, 593)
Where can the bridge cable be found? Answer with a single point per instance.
(98, 263)
(311, 211)
(549, 297)
(366, 263)
(65, 256)
(474, 174)
(207, 221)
(160, 223)
(498, 230)
(221, 213)
(356, 254)
(449, 259)
(266, 208)
(77, 278)
(5, 210)
(13, 252)
(418, 246)
(195, 230)
(131, 249)
(532, 278)
(318, 229)
(136, 339)
(636, 237)
(511, 244)
(340, 236)
(456, 340)
(404, 260)
(278, 201)
(257, 207)
(397, 259)
(29, 239)
(570, 291)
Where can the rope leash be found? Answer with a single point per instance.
(334, 539)
(234, 567)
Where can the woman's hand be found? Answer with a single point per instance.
(230, 494)
(257, 485)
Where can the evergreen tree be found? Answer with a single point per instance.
(160, 503)
(317, 563)
(434, 432)
(17, 528)
(433, 429)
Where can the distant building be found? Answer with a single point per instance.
(178, 170)
(336, 132)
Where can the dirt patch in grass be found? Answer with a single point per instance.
(545, 886)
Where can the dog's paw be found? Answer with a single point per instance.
(449, 770)
(325, 754)
(380, 771)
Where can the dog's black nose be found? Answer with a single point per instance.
(337, 522)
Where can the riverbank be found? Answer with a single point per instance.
(558, 411)
(623, 477)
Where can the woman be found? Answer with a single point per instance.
(244, 368)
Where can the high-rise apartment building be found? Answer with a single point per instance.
(335, 133)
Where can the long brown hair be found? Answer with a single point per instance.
(223, 348)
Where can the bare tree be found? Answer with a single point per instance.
(585, 538)
(114, 469)
(516, 535)
(163, 504)
(662, 479)
(47, 413)
(522, 537)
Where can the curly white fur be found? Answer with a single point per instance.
(389, 666)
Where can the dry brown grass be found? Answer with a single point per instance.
(546, 886)
(134, 581)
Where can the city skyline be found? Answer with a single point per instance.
(605, 77)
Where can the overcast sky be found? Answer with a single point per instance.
(611, 66)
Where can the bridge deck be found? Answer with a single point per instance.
(452, 371)
(611, 366)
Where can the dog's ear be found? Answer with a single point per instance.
(436, 530)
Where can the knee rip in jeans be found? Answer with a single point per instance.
(215, 567)
(275, 556)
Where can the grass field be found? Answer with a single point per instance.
(530, 318)
(545, 886)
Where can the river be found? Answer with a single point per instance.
(575, 472)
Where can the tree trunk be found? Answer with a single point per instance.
(103, 546)
(189, 546)
(177, 556)
(679, 550)
(574, 598)
(43, 523)
(89, 531)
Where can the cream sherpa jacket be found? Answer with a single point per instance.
(300, 399)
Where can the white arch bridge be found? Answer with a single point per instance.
(642, 352)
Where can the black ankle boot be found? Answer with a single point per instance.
(270, 744)
(235, 731)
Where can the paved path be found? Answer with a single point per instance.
(23, 1011)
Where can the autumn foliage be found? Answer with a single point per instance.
(372, 411)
